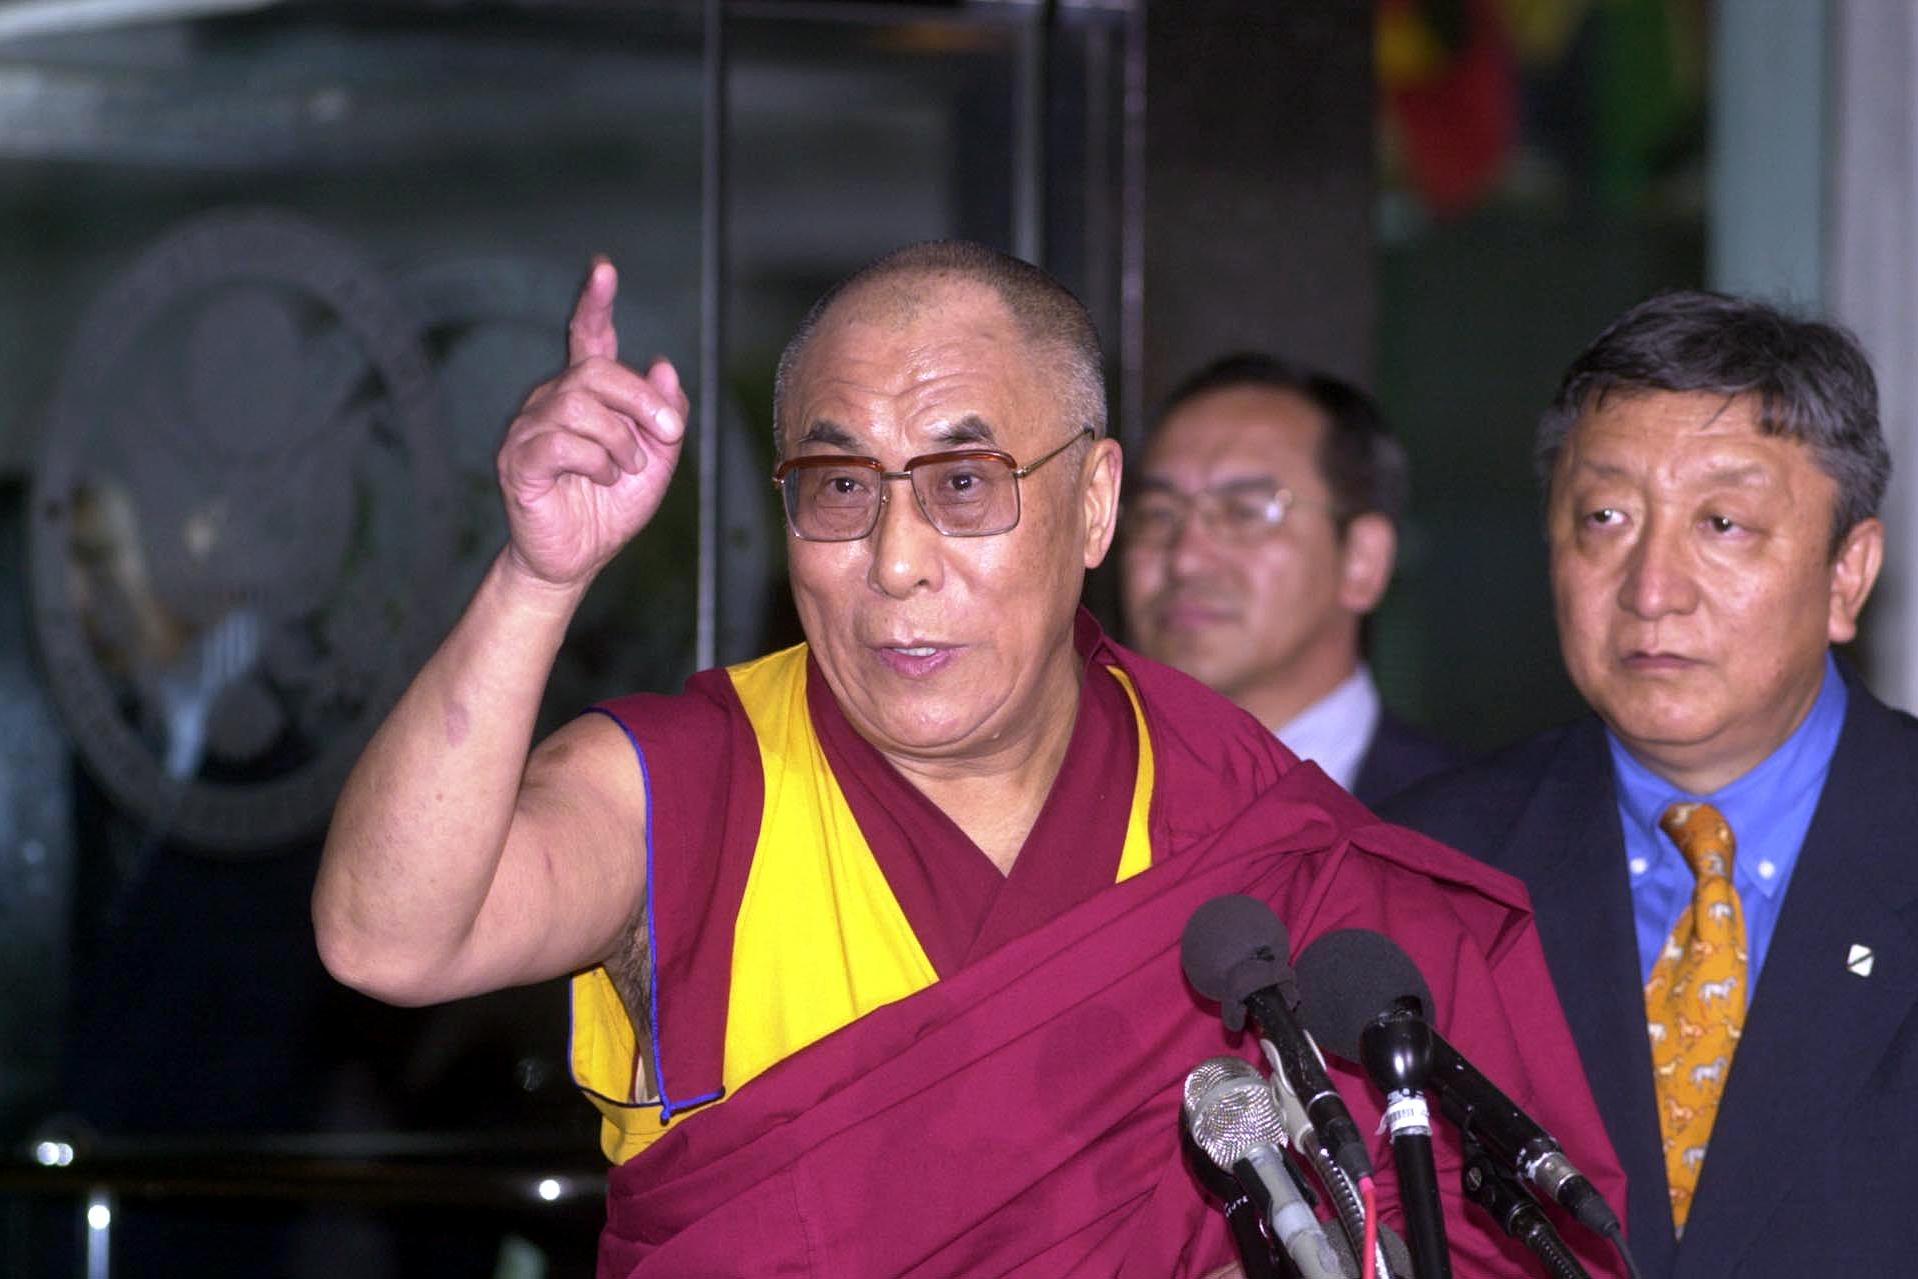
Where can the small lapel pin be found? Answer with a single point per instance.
(1859, 960)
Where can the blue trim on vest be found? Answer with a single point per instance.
(667, 1106)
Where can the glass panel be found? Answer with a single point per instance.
(271, 286)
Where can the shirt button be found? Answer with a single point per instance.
(1767, 868)
(1640, 866)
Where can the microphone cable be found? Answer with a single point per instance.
(1617, 1235)
(1349, 1198)
(1371, 1228)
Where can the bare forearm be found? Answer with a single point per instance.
(417, 836)
(460, 859)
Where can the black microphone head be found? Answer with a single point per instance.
(1349, 977)
(1232, 946)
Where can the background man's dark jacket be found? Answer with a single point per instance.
(1815, 1151)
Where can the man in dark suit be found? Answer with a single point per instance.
(1739, 802)
(1297, 488)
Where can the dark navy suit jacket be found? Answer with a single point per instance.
(1399, 756)
(1813, 1163)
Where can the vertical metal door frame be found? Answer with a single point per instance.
(712, 303)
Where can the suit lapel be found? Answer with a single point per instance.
(1844, 891)
(1570, 850)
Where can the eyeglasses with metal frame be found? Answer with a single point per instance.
(832, 497)
(1242, 513)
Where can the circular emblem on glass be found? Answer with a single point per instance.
(238, 524)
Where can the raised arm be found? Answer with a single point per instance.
(460, 859)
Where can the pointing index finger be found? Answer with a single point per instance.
(590, 332)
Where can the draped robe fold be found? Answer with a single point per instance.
(1018, 1115)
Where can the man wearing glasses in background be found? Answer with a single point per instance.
(1260, 534)
(874, 941)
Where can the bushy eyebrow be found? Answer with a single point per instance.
(1742, 475)
(1262, 484)
(1735, 474)
(970, 429)
(1584, 466)
(825, 431)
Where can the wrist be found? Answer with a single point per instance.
(525, 587)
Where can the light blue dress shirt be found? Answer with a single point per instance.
(1769, 810)
(1336, 731)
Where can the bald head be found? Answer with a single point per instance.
(904, 287)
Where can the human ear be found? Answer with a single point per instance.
(1853, 572)
(1370, 550)
(1099, 477)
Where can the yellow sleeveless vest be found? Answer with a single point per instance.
(820, 940)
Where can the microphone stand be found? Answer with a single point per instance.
(1517, 1213)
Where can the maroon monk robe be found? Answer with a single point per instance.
(959, 904)
(1020, 1115)
(702, 765)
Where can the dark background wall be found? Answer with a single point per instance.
(1260, 186)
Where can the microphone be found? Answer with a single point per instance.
(1234, 952)
(1256, 1257)
(1230, 1114)
(1357, 975)
(1396, 1049)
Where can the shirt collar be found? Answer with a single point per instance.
(1791, 776)
(1334, 731)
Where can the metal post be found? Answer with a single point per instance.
(1097, 250)
(1132, 236)
(712, 301)
(1029, 120)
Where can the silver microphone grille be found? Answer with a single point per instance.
(1229, 1108)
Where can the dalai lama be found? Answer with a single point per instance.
(874, 940)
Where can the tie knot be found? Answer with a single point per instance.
(1703, 838)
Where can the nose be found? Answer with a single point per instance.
(1658, 576)
(1192, 547)
(906, 548)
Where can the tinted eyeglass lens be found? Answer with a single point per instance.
(832, 503)
(968, 497)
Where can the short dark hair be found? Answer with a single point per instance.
(1056, 323)
(1811, 380)
(1363, 464)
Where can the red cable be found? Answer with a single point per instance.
(1369, 1266)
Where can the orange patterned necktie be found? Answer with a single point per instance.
(1695, 1000)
